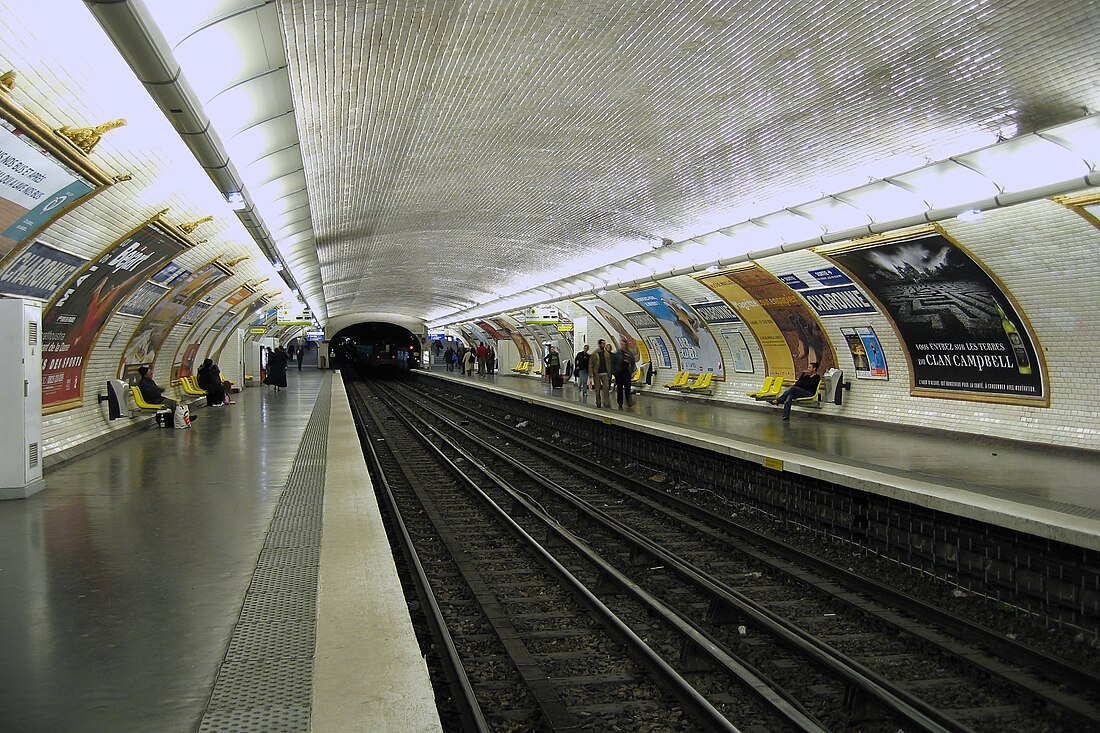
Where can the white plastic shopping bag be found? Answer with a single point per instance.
(181, 418)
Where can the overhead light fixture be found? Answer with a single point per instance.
(236, 201)
(713, 268)
(277, 265)
(969, 215)
(601, 292)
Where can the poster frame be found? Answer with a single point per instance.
(914, 391)
(63, 152)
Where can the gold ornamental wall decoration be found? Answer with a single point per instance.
(238, 260)
(86, 138)
(191, 226)
(7, 80)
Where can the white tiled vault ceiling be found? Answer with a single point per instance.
(454, 151)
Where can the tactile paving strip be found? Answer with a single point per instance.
(266, 680)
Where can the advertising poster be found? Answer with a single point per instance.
(491, 330)
(146, 296)
(38, 271)
(197, 311)
(608, 317)
(521, 343)
(34, 187)
(187, 366)
(72, 322)
(788, 332)
(963, 336)
(658, 349)
(867, 356)
(742, 357)
(693, 342)
(155, 327)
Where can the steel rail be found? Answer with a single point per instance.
(890, 696)
(469, 709)
(696, 704)
(1013, 652)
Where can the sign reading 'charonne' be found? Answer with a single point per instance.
(963, 335)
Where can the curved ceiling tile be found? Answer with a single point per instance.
(275, 133)
(271, 165)
(287, 183)
(245, 91)
(250, 103)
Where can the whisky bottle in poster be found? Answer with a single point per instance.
(1016, 341)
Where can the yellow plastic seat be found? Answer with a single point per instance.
(765, 388)
(191, 387)
(141, 404)
(702, 384)
(679, 382)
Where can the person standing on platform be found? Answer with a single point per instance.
(449, 359)
(482, 355)
(599, 366)
(806, 386)
(624, 365)
(468, 362)
(462, 351)
(300, 355)
(276, 369)
(580, 362)
(552, 360)
(491, 360)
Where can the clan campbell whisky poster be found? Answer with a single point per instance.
(963, 336)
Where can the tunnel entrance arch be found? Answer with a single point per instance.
(375, 347)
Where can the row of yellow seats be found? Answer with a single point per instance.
(684, 382)
(773, 386)
(190, 386)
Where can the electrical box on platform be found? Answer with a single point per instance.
(21, 398)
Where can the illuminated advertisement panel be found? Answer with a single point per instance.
(788, 332)
(964, 337)
(72, 322)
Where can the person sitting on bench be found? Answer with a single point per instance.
(210, 379)
(152, 393)
(806, 386)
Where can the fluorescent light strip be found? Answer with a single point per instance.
(1034, 166)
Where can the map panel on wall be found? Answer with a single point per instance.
(866, 351)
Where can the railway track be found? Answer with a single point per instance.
(769, 639)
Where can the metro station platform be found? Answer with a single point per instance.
(179, 580)
(1046, 492)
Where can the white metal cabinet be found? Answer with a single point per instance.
(20, 398)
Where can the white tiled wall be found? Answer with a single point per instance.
(1047, 257)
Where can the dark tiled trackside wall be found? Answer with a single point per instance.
(1044, 576)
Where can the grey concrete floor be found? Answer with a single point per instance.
(121, 582)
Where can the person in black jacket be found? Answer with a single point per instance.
(210, 379)
(806, 386)
(580, 363)
(553, 365)
(624, 366)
